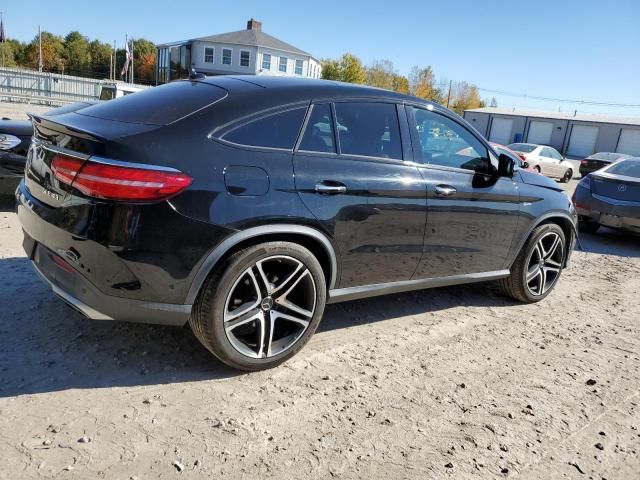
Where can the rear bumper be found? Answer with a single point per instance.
(84, 297)
(606, 211)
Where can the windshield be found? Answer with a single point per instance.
(627, 168)
(522, 147)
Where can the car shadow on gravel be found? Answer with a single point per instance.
(7, 203)
(46, 346)
(610, 242)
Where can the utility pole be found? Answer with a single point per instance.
(39, 49)
(131, 78)
(2, 34)
(449, 94)
(115, 61)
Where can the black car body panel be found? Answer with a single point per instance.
(598, 161)
(377, 224)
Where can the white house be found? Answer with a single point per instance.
(249, 52)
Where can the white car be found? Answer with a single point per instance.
(546, 160)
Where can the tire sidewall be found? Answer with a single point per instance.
(224, 350)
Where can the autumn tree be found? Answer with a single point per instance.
(422, 82)
(348, 68)
(380, 74)
(77, 55)
(144, 61)
(52, 53)
(464, 97)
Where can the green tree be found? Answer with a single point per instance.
(401, 84)
(100, 58)
(77, 55)
(13, 52)
(381, 74)
(464, 97)
(331, 70)
(352, 69)
(422, 83)
(144, 61)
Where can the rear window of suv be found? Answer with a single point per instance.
(627, 168)
(158, 105)
(522, 147)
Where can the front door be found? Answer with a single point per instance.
(471, 213)
(355, 183)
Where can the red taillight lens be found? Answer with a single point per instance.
(583, 162)
(522, 157)
(115, 182)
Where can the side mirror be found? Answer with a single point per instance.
(505, 166)
(525, 165)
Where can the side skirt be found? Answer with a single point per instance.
(365, 291)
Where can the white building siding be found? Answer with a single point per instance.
(198, 56)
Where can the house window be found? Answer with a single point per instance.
(266, 61)
(298, 67)
(283, 64)
(226, 56)
(244, 58)
(208, 55)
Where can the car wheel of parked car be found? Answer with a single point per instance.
(538, 265)
(567, 176)
(261, 306)
(588, 226)
(537, 169)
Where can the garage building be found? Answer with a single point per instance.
(576, 136)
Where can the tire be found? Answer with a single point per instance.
(588, 226)
(527, 264)
(537, 169)
(567, 176)
(252, 321)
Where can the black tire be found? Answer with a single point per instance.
(567, 176)
(208, 317)
(537, 169)
(515, 285)
(588, 226)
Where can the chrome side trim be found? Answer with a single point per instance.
(70, 153)
(353, 293)
(216, 255)
(143, 166)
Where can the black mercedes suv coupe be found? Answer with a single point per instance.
(243, 204)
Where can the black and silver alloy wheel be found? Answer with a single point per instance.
(261, 306)
(545, 263)
(270, 306)
(538, 266)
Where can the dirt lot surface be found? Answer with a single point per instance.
(446, 383)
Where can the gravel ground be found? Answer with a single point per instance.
(446, 383)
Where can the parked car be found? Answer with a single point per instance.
(15, 139)
(545, 160)
(599, 160)
(518, 159)
(180, 204)
(610, 197)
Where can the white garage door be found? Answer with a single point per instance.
(540, 133)
(629, 142)
(582, 141)
(501, 130)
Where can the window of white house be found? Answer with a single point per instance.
(266, 61)
(226, 56)
(244, 58)
(283, 64)
(298, 67)
(208, 55)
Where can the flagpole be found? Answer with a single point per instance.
(115, 61)
(3, 39)
(132, 60)
(39, 49)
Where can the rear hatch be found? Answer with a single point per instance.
(594, 164)
(616, 187)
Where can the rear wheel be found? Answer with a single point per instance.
(537, 169)
(262, 306)
(588, 226)
(538, 265)
(567, 176)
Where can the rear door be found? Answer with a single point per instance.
(548, 163)
(472, 214)
(351, 174)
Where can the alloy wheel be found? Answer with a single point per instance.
(545, 264)
(269, 306)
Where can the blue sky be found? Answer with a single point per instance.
(587, 49)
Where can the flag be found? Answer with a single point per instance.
(127, 59)
(2, 37)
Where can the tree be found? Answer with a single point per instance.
(13, 52)
(494, 103)
(331, 70)
(465, 96)
(77, 55)
(422, 82)
(380, 74)
(348, 68)
(100, 58)
(144, 61)
(52, 53)
(401, 84)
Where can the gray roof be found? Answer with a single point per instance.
(254, 38)
(580, 117)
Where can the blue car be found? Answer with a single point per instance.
(610, 197)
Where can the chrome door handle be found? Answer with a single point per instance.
(445, 190)
(330, 188)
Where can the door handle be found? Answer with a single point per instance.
(330, 188)
(445, 191)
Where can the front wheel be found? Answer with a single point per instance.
(567, 176)
(262, 306)
(538, 265)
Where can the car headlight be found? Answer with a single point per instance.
(7, 142)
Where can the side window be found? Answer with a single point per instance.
(556, 154)
(279, 130)
(369, 129)
(545, 152)
(447, 143)
(318, 136)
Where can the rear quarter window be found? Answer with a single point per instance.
(278, 130)
(158, 105)
(627, 168)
